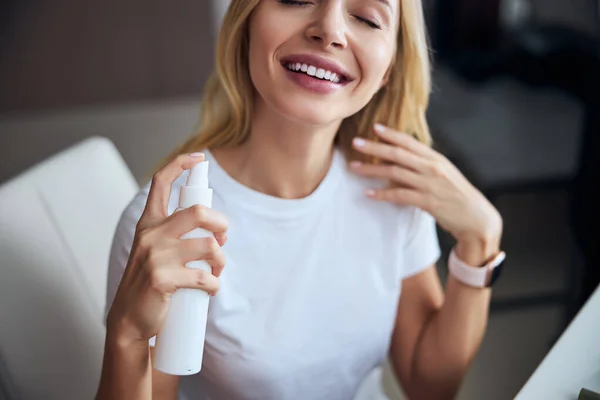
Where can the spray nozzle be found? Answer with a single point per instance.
(199, 175)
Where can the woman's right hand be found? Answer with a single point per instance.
(156, 266)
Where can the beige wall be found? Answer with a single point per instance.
(143, 132)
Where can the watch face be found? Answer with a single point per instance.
(496, 272)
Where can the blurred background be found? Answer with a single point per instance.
(516, 105)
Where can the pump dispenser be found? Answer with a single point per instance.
(180, 343)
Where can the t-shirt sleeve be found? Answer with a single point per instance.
(121, 247)
(421, 248)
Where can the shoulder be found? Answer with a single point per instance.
(403, 233)
(356, 186)
(405, 220)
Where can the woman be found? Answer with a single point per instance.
(332, 242)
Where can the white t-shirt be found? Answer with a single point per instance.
(310, 290)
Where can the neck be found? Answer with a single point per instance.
(281, 158)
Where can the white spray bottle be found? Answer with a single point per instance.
(180, 343)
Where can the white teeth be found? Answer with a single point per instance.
(311, 70)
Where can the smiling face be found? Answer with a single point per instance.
(318, 62)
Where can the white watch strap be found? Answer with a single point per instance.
(469, 275)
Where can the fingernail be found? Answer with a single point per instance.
(355, 164)
(370, 192)
(379, 128)
(358, 142)
(197, 154)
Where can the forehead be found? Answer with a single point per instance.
(387, 3)
(393, 5)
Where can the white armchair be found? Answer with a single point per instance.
(57, 221)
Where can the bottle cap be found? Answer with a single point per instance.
(199, 175)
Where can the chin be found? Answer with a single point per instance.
(310, 112)
(312, 117)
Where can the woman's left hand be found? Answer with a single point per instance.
(426, 179)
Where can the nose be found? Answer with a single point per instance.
(329, 28)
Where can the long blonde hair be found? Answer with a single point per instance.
(226, 109)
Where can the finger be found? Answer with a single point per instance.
(160, 188)
(403, 140)
(393, 172)
(192, 278)
(191, 218)
(221, 238)
(207, 249)
(392, 153)
(399, 196)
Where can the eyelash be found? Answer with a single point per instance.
(370, 24)
(296, 3)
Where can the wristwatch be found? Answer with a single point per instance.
(479, 277)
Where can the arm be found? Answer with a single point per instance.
(155, 270)
(164, 386)
(126, 370)
(436, 338)
(127, 373)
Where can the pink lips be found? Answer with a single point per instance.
(314, 84)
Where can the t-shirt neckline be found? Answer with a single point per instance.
(232, 190)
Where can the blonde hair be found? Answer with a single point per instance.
(226, 110)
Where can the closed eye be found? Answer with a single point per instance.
(367, 22)
(294, 2)
(297, 3)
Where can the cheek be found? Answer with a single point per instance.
(259, 46)
(256, 62)
(374, 60)
(265, 37)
